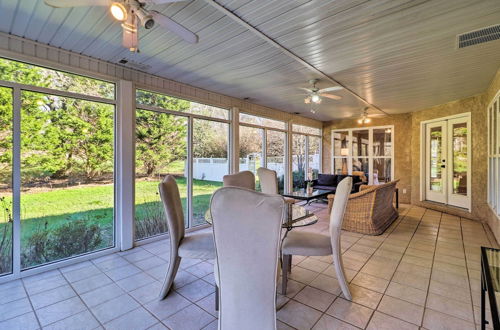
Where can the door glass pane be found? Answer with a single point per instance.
(210, 163)
(298, 160)
(67, 177)
(340, 165)
(160, 149)
(314, 157)
(276, 142)
(436, 180)
(459, 145)
(251, 140)
(340, 147)
(382, 145)
(6, 220)
(360, 143)
(381, 170)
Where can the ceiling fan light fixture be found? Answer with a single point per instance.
(146, 18)
(118, 11)
(316, 98)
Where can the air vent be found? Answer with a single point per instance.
(478, 36)
(134, 65)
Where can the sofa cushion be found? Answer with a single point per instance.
(327, 179)
(356, 179)
(331, 188)
(341, 177)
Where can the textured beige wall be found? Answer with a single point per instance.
(474, 105)
(407, 151)
(402, 146)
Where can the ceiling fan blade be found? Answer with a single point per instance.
(76, 3)
(331, 89)
(130, 38)
(305, 89)
(331, 96)
(174, 27)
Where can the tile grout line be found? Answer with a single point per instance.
(432, 267)
(468, 273)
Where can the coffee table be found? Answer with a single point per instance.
(304, 196)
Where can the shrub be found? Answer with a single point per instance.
(152, 221)
(73, 238)
(5, 236)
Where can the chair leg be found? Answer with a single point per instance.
(173, 266)
(284, 273)
(290, 264)
(216, 298)
(339, 270)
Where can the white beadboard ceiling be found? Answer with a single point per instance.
(399, 55)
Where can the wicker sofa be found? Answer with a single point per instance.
(371, 210)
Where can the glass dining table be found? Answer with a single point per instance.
(296, 216)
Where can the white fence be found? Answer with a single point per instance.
(213, 169)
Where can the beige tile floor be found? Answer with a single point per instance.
(422, 273)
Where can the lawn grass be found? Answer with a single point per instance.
(50, 209)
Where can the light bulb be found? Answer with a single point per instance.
(315, 98)
(360, 121)
(118, 11)
(367, 120)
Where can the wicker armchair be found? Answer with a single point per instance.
(371, 210)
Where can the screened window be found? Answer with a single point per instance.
(306, 154)
(33, 75)
(261, 121)
(494, 154)
(63, 199)
(6, 216)
(306, 129)
(171, 103)
(364, 151)
(263, 144)
(164, 125)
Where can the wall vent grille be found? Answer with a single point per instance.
(478, 36)
(134, 65)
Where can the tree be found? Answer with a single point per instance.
(160, 140)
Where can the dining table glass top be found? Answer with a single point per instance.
(295, 216)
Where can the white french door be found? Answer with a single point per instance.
(447, 161)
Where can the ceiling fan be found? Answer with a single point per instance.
(133, 13)
(315, 94)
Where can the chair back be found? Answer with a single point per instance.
(339, 205)
(243, 179)
(247, 227)
(268, 181)
(169, 193)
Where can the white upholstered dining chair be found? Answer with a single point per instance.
(243, 179)
(304, 243)
(247, 226)
(194, 246)
(269, 183)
